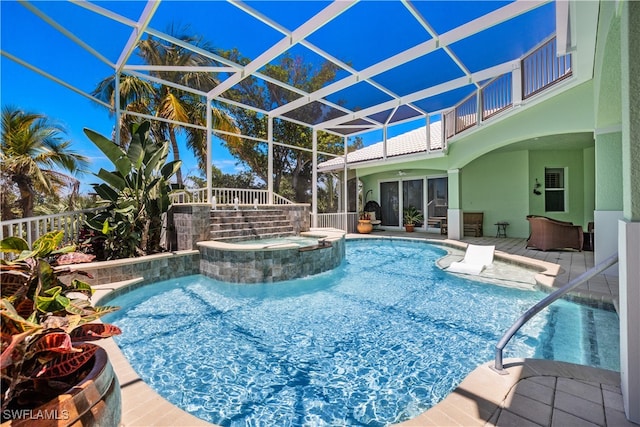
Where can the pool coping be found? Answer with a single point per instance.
(483, 392)
(328, 235)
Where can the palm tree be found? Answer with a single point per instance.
(32, 147)
(166, 101)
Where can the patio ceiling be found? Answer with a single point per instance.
(396, 60)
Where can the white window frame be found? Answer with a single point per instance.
(564, 188)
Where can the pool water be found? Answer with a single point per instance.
(379, 340)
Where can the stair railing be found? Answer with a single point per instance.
(498, 366)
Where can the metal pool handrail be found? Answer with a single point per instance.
(498, 366)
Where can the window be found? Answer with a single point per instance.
(554, 190)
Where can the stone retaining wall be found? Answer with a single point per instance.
(151, 268)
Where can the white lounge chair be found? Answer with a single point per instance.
(476, 259)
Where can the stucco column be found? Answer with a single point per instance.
(629, 227)
(454, 213)
(608, 197)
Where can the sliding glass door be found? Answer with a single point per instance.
(437, 200)
(413, 196)
(428, 195)
(390, 203)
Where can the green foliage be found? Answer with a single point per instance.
(32, 147)
(292, 167)
(136, 193)
(219, 179)
(45, 323)
(412, 216)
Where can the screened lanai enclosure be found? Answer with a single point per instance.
(287, 86)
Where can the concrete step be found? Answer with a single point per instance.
(251, 225)
(251, 232)
(248, 220)
(245, 238)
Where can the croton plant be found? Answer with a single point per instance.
(46, 323)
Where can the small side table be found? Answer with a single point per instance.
(502, 229)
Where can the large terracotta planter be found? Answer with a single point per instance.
(95, 401)
(409, 228)
(364, 226)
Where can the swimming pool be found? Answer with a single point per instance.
(378, 340)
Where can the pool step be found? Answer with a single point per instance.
(245, 224)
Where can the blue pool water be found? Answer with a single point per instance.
(379, 340)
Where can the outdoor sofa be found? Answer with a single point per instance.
(548, 233)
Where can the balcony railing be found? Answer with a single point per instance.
(496, 95)
(543, 68)
(539, 70)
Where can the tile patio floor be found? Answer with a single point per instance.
(534, 393)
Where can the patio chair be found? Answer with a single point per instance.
(374, 220)
(472, 222)
(548, 233)
(476, 259)
(375, 212)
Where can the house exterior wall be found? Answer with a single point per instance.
(502, 195)
(572, 160)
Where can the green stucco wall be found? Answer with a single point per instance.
(498, 185)
(630, 88)
(607, 76)
(573, 161)
(589, 167)
(609, 171)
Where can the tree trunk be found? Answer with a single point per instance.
(176, 154)
(26, 195)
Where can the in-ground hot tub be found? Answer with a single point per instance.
(273, 260)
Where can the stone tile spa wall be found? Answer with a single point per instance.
(268, 264)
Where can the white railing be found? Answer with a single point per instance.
(30, 229)
(539, 70)
(496, 95)
(542, 68)
(198, 195)
(338, 220)
(228, 196)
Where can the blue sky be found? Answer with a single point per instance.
(361, 36)
(28, 90)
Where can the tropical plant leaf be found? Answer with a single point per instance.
(52, 303)
(94, 331)
(57, 342)
(170, 169)
(105, 227)
(67, 363)
(111, 150)
(12, 321)
(12, 353)
(80, 286)
(113, 179)
(13, 281)
(46, 278)
(135, 154)
(158, 158)
(98, 313)
(105, 192)
(79, 307)
(66, 250)
(13, 244)
(74, 258)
